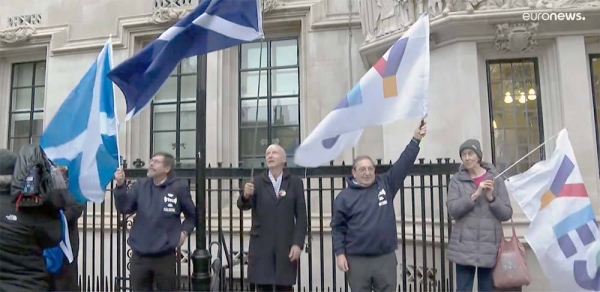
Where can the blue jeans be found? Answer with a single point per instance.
(465, 276)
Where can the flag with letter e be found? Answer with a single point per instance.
(563, 233)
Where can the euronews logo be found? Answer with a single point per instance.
(553, 16)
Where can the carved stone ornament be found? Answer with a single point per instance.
(270, 5)
(166, 11)
(516, 37)
(16, 34)
(384, 17)
(554, 4)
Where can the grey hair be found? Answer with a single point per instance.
(361, 158)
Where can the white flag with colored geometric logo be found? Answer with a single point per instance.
(563, 233)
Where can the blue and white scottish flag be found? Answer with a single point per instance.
(82, 135)
(214, 25)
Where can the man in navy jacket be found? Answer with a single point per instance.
(364, 222)
(157, 230)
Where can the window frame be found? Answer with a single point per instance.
(539, 94)
(594, 102)
(177, 102)
(31, 111)
(268, 95)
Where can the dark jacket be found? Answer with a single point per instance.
(477, 232)
(364, 220)
(277, 225)
(73, 211)
(67, 278)
(23, 236)
(157, 224)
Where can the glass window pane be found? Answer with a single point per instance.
(188, 65)
(21, 99)
(284, 53)
(187, 144)
(248, 113)
(38, 124)
(506, 70)
(164, 142)
(287, 137)
(251, 55)
(20, 125)
(187, 116)
(39, 98)
(516, 116)
(40, 73)
(249, 84)
(529, 71)
(188, 87)
(17, 143)
(168, 91)
(517, 70)
(495, 71)
(35, 140)
(284, 82)
(247, 146)
(165, 118)
(23, 75)
(284, 111)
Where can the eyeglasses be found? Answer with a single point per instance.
(366, 169)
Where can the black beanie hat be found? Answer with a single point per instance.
(473, 145)
(8, 160)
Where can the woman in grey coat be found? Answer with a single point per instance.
(479, 204)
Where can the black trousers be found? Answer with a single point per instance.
(67, 279)
(465, 276)
(273, 288)
(149, 270)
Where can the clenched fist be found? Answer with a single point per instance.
(120, 176)
(248, 190)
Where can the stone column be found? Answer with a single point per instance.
(576, 102)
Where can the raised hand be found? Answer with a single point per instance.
(120, 176)
(248, 190)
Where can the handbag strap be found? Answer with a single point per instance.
(512, 225)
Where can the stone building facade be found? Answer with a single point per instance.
(511, 73)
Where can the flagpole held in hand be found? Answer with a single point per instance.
(110, 56)
(257, 106)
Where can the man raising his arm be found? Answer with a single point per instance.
(364, 221)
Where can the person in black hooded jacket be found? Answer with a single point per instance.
(157, 230)
(24, 233)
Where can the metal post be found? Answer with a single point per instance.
(201, 257)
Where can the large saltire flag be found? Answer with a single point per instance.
(395, 88)
(82, 135)
(213, 25)
(563, 233)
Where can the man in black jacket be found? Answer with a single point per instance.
(157, 230)
(363, 226)
(279, 224)
(24, 233)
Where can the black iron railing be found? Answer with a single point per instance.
(423, 231)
